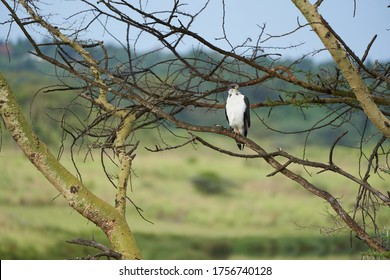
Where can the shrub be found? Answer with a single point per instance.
(210, 183)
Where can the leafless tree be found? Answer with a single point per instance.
(125, 95)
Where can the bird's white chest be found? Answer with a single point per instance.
(235, 109)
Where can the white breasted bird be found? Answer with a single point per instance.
(237, 112)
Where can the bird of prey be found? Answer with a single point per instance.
(237, 112)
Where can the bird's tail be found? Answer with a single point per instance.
(240, 145)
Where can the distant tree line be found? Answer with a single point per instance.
(17, 62)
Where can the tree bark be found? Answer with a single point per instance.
(105, 216)
(340, 56)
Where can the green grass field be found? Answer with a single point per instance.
(254, 217)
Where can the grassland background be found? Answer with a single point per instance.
(255, 218)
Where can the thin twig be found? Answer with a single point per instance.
(159, 149)
(92, 243)
(318, 3)
(333, 146)
(280, 169)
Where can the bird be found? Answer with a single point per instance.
(237, 112)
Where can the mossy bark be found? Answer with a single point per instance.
(75, 192)
(340, 56)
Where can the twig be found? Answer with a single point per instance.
(280, 169)
(368, 48)
(159, 149)
(333, 146)
(318, 3)
(92, 243)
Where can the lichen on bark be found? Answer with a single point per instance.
(73, 190)
(340, 56)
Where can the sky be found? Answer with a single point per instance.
(243, 18)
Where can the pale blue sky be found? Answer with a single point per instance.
(243, 17)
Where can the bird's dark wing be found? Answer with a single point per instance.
(226, 114)
(247, 116)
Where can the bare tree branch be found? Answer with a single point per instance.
(121, 95)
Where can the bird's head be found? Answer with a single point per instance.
(233, 88)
